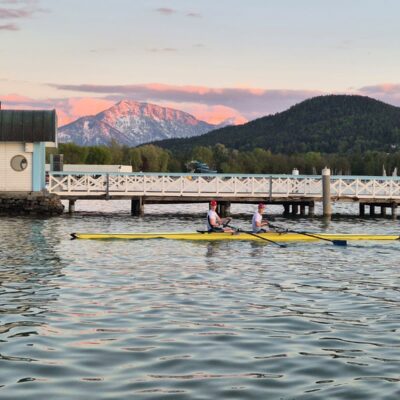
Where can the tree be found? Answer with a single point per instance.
(203, 154)
(73, 154)
(99, 155)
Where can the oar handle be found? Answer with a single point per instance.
(257, 236)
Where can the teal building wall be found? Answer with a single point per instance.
(39, 167)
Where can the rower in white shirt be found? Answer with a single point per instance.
(257, 224)
(214, 222)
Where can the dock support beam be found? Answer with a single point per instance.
(362, 209)
(394, 210)
(302, 209)
(224, 209)
(137, 206)
(71, 206)
(326, 192)
(371, 210)
(311, 210)
(383, 211)
(286, 209)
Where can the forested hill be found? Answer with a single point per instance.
(326, 124)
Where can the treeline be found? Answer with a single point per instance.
(332, 124)
(150, 158)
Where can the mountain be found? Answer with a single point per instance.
(326, 124)
(132, 123)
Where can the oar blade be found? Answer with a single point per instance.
(339, 242)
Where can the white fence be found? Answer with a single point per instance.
(221, 185)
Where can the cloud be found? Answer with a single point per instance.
(9, 27)
(194, 15)
(164, 50)
(213, 114)
(165, 11)
(102, 50)
(249, 102)
(213, 105)
(383, 88)
(27, 8)
(68, 110)
(387, 92)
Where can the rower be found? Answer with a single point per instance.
(257, 223)
(214, 222)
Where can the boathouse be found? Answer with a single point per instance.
(24, 136)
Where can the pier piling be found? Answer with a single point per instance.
(326, 192)
(137, 206)
(71, 206)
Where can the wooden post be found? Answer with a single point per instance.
(311, 209)
(71, 206)
(383, 211)
(371, 210)
(224, 209)
(326, 192)
(362, 209)
(286, 209)
(137, 206)
(302, 209)
(394, 210)
(295, 209)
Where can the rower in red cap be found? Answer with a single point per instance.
(256, 223)
(214, 222)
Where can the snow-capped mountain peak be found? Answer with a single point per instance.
(133, 123)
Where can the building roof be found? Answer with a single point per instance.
(28, 126)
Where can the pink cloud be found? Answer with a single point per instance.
(165, 11)
(9, 27)
(383, 88)
(387, 92)
(211, 114)
(68, 110)
(194, 15)
(27, 8)
(249, 102)
(213, 105)
(165, 50)
(87, 106)
(15, 98)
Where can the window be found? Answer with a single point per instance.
(19, 163)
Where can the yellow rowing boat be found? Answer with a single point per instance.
(214, 236)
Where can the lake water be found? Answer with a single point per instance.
(184, 320)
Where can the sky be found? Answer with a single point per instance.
(216, 59)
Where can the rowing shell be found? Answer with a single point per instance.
(214, 236)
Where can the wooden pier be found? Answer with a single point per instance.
(296, 193)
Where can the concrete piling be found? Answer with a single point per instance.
(71, 206)
(326, 192)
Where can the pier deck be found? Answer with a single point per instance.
(294, 192)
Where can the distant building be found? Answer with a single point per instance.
(24, 136)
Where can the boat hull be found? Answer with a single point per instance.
(274, 236)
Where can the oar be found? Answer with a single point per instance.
(257, 236)
(336, 242)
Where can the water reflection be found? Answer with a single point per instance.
(221, 320)
(212, 249)
(29, 265)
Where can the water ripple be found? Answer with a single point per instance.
(160, 319)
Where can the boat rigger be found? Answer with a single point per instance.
(242, 235)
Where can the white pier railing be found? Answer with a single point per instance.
(221, 185)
